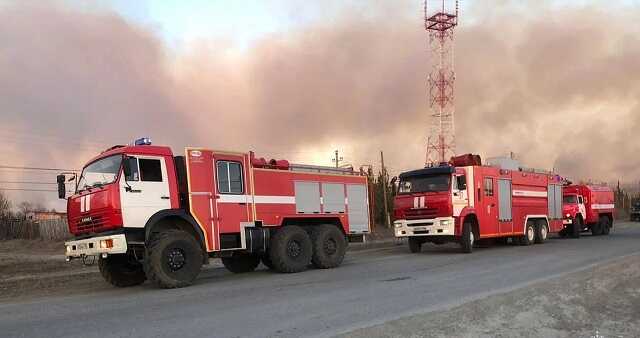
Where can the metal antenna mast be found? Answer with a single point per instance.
(440, 22)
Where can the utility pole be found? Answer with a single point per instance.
(387, 218)
(337, 159)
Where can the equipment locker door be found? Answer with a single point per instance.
(358, 206)
(505, 198)
(232, 202)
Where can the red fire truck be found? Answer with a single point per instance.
(587, 207)
(148, 214)
(464, 201)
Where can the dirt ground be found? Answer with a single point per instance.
(33, 268)
(603, 301)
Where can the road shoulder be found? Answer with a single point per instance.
(602, 300)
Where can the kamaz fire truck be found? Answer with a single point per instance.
(464, 201)
(587, 207)
(148, 214)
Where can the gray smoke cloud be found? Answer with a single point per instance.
(547, 83)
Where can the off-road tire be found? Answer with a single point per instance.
(415, 244)
(606, 226)
(529, 234)
(241, 262)
(173, 259)
(266, 261)
(576, 227)
(468, 237)
(329, 246)
(291, 249)
(597, 228)
(121, 271)
(542, 233)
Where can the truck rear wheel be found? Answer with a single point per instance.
(241, 262)
(529, 235)
(468, 237)
(606, 225)
(415, 244)
(542, 232)
(173, 259)
(121, 271)
(596, 228)
(291, 249)
(266, 261)
(576, 227)
(329, 246)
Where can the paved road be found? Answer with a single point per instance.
(373, 286)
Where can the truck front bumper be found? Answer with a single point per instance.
(441, 226)
(111, 244)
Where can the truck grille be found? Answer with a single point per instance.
(89, 223)
(424, 213)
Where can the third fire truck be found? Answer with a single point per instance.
(587, 207)
(148, 214)
(464, 201)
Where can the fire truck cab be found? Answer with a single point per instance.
(464, 201)
(148, 214)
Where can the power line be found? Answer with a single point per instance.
(30, 182)
(18, 189)
(35, 168)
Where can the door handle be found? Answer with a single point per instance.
(164, 197)
(128, 189)
(242, 203)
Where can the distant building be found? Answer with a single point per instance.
(36, 216)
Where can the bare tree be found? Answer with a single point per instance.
(5, 206)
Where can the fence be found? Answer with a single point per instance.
(25, 229)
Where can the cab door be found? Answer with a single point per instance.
(232, 201)
(144, 189)
(460, 198)
(489, 208)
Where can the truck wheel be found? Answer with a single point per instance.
(291, 249)
(120, 271)
(529, 235)
(241, 262)
(173, 259)
(606, 226)
(329, 246)
(576, 227)
(596, 228)
(415, 244)
(266, 261)
(468, 237)
(542, 232)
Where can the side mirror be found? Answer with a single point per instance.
(62, 189)
(394, 179)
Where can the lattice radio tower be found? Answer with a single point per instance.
(440, 21)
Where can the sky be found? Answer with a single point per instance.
(299, 79)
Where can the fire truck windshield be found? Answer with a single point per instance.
(570, 199)
(428, 183)
(100, 172)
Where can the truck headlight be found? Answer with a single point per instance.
(445, 222)
(397, 225)
(568, 215)
(106, 243)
